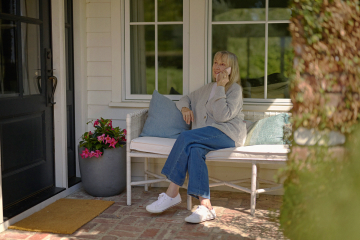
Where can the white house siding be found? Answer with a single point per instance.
(100, 84)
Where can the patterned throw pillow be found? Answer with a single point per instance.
(164, 119)
(268, 131)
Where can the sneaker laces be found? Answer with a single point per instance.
(200, 209)
(161, 199)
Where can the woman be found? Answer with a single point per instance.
(217, 122)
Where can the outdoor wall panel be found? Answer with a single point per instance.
(100, 10)
(99, 83)
(98, 25)
(99, 97)
(99, 54)
(98, 39)
(99, 69)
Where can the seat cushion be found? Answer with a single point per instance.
(260, 152)
(152, 145)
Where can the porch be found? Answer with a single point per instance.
(134, 222)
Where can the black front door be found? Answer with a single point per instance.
(26, 108)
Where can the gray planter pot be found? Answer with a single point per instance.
(106, 175)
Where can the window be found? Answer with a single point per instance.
(257, 32)
(156, 48)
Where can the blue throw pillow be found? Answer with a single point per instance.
(268, 131)
(164, 119)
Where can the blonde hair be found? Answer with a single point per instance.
(231, 61)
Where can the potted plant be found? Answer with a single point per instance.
(103, 159)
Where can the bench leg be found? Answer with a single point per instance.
(146, 175)
(128, 179)
(257, 180)
(253, 189)
(189, 202)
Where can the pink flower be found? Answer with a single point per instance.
(98, 153)
(96, 122)
(110, 124)
(125, 132)
(123, 139)
(92, 154)
(113, 143)
(85, 153)
(90, 133)
(101, 138)
(108, 139)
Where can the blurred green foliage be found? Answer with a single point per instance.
(321, 199)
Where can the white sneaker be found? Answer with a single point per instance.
(201, 214)
(164, 202)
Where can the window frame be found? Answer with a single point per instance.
(277, 101)
(186, 45)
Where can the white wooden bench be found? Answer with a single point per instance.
(149, 148)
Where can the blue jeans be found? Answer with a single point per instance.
(188, 155)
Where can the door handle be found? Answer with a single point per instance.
(38, 81)
(53, 84)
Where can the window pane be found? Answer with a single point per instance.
(279, 10)
(142, 11)
(29, 8)
(31, 65)
(8, 6)
(170, 10)
(238, 10)
(170, 59)
(8, 59)
(280, 58)
(247, 41)
(142, 52)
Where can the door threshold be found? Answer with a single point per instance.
(30, 202)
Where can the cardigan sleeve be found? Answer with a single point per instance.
(226, 106)
(185, 101)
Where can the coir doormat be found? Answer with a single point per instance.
(64, 216)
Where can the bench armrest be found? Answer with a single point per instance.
(134, 123)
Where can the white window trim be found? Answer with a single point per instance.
(127, 96)
(281, 102)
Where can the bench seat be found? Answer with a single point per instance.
(155, 147)
(265, 153)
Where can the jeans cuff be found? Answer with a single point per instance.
(172, 180)
(197, 195)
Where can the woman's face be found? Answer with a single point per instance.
(218, 66)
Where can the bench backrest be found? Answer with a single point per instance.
(255, 116)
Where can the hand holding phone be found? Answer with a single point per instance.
(223, 78)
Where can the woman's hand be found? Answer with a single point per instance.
(223, 78)
(188, 115)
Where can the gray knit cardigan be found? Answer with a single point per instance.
(223, 111)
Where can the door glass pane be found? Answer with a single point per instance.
(29, 8)
(170, 77)
(247, 41)
(142, 52)
(8, 6)
(8, 59)
(280, 58)
(170, 10)
(31, 65)
(142, 10)
(279, 10)
(238, 10)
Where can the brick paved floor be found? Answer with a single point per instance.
(134, 222)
